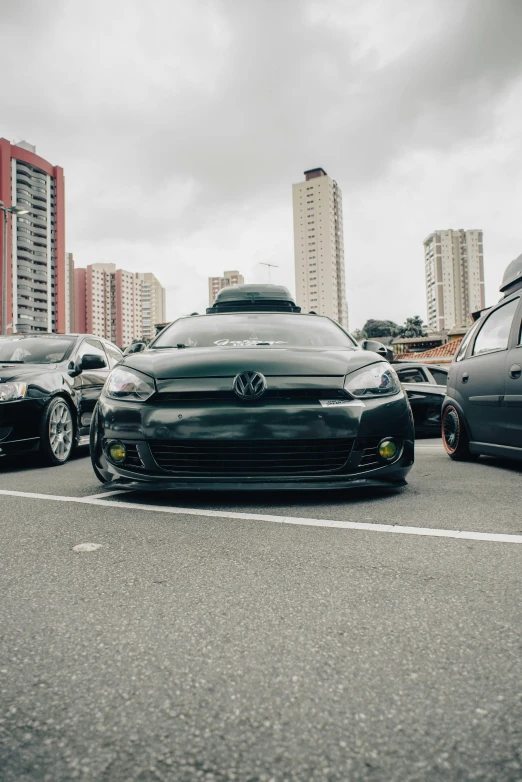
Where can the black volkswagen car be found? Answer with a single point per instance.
(482, 413)
(253, 394)
(49, 385)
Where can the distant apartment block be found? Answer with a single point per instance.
(215, 284)
(108, 303)
(153, 304)
(319, 246)
(36, 264)
(454, 269)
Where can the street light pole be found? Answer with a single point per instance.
(14, 210)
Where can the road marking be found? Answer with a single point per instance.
(85, 548)
(492, 537)
(105, 494)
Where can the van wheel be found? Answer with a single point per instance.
(455, 436)
(56, 432)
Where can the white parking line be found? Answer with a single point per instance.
(491, 537)
(105, 494)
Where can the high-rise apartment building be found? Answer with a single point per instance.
(454, 268)
(153, 304)
(36, 264)
(108, 303)
(93, 299)
(215, 284)
(126, 308)
(69, 293)
(319, 246)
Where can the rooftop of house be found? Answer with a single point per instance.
(443, 354)
(421, 340)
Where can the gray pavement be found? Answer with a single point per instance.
(189, 647)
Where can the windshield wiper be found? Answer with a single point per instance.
(11, 361)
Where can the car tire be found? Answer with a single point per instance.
(455, 436)
(57, 433)
(95, 449)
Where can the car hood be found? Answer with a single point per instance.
(23, 372)
(228, 362)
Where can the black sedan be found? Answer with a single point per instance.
(253, 394)
(49, 385)
(425, 386)
(482, 412)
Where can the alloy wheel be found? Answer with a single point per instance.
(61, 431)
(451, 429)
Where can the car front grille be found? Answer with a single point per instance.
(256, 457)
(370, 454)
(133, 458)
(291, 394)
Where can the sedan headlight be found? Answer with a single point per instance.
(127, 385)
(374, 381)
(10, 391)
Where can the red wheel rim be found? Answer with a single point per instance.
(451, 430)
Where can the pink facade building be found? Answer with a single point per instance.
(36, 272)
(108, 303)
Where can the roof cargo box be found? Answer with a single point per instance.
(254, 298)
(512, 279)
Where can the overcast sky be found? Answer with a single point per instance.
(182, 124)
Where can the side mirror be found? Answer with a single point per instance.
(378, 347)
(137, 347)
(91, 361)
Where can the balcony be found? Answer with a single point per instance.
(30, 272)
(39, 219)
(25, 254)
(32, 303)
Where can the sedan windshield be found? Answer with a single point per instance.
(34, 350)
(254, 330)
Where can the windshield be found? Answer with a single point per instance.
(34, 350)
(254, 330)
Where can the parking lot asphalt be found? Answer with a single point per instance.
(483, 496)
(192, 647)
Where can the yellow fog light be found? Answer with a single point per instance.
(117, 452)
(388, 449)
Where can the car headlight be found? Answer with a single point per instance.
(374, 381)
(10, 391)
(127, 385)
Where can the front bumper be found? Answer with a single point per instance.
(140, 426)
(19, 425)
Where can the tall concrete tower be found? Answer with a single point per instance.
(454, 268)
(319, 246)
(36, 273)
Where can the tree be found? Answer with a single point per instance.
(380, 328)
(413, 327)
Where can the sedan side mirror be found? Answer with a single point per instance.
(91, 361)
(378, 347)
